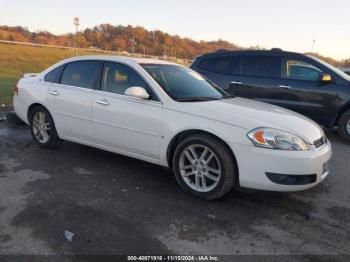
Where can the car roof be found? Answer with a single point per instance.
(274, 51)
(119, 59)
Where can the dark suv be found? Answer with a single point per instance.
(301, 83)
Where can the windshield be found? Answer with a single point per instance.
(334, 69)
(183, 84)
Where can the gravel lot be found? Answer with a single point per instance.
(118, 205)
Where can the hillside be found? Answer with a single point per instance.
(18, 59)
(121, 38)
(133, 40)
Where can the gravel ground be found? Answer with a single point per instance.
(118, 205)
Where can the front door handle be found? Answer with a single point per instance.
(103, 102)
(236, 83)
(54, 92)
(285, 86)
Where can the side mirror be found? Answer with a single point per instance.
(138, 92)
(326, 78)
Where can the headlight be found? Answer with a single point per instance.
(277, 139)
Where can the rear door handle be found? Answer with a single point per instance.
(236, 83)
(103, 102)
(285, 86)
(54, 92)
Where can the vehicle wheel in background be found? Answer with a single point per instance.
(204, 166)
(344, 125)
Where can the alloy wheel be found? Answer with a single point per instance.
(41, 127)
(348, 127)
(200, 168)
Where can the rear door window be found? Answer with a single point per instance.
(220, 65)
(80, 74)
(259, 66)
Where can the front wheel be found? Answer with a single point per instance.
(344, 125)
(43, 128)
(204, 166)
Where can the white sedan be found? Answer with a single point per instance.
(169, 115)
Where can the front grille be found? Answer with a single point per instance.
(320, 142)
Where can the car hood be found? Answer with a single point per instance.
(250, 114)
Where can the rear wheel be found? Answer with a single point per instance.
(204, 166)
(344, 125)
(43, 128)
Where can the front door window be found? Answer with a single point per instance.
(300, 70)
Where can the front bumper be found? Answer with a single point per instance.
(301, 169)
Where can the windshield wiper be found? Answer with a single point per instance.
(196, 99)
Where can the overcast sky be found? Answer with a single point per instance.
(290, 25)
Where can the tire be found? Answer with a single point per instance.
(36, 116)
(344, 125)
(222, 161)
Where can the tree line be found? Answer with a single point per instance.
(120, 38)
(131, 39)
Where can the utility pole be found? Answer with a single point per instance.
(133, 44)
(313, 46)
(77, 24)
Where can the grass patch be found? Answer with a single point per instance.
(15, 60)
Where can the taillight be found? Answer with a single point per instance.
(16, 89)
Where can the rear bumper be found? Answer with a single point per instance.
(20, 109)
(277, 170)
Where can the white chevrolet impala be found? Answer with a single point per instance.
(169, 115)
